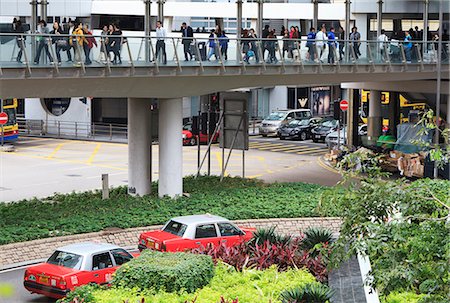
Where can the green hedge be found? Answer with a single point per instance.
(249, 286)
(171, 272)
(234, 198)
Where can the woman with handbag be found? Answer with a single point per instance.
(61, 43)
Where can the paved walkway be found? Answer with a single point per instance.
(347, 283)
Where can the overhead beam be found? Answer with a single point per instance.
(425, 87)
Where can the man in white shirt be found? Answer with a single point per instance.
(161, 34)
(321, 42)
(382, 44)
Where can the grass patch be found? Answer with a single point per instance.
(234, 198)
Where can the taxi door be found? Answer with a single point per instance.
(206, 234)
(102, 268)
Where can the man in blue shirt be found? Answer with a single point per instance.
(408, 47)
(310, 43)
(331, 46)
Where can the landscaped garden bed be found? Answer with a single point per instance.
(75, 213)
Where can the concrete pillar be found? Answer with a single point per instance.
(260, 23)
(161, 12)
(33, 26)
(380, 17)
(44, 4)
(315, 15)
(147, 28)
(170, 148)
(349, 115)
(426, 6)
(394, 114)
(347, 29)
(238, 29)
(374, 120)
(139, 147)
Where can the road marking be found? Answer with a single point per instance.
(57, 148)
(219, 160)
(277, 145)
(96, 149)
(262, 144)
(327, 167)
(297, 147)
(310, 150)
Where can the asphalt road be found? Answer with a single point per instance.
(21, 295)
(40, 166)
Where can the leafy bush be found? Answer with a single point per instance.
(402, 227)
(402, 297)
(267, 255)
(310, 293)
(247, 286)
(167, 271)
(269, 235)
(316, 235)
(234, 198)
(81, 294)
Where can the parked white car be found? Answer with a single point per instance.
(332, 138)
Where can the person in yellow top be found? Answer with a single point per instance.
(80, 40)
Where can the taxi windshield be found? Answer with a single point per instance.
(175, 228)
(65, 259)
(276, 116)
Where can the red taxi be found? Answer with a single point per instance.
(188, 232)
(75, 265)
(190, 139)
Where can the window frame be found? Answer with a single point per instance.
(102, 253)
(203, 224)
(241, 232)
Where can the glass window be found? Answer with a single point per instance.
(65, 259)
(291, 116)
(188, 126)
(228, 229)
(175, 228)
(121, 256)
(205, 231)
(101, 261)
(276, 116)
(11, 112)
(57, 106)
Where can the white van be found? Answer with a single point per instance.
(270, 125)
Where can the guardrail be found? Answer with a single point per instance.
(113, 51)
(86, 131)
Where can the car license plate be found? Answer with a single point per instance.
(317, 136)
(150, 244)
(43, 279)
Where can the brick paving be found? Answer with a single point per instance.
(36, 250)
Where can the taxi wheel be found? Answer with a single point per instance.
(192, 141)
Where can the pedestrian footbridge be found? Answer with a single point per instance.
(143, 71)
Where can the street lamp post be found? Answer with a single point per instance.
(438, 88)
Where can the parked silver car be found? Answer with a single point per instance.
(271, 124)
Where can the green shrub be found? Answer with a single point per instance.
(249, 286)
(171, 272)
(402, 297)
(316, 235)
(263, 235)
(311, 293)
(81, 294)
(234, 198)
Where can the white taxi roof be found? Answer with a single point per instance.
(87, 248)
(199, 219)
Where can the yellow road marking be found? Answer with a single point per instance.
(323, 165)
(297, 147)
(219, 160)
(277, 145)
(57, 148)
(309, 150)
(96, 149)
(262, 144)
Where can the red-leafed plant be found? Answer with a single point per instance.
(262, 256)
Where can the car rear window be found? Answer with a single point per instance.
(175, 228)
(65, 259)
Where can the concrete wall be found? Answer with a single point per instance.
(77, 112)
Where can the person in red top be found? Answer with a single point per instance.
(89, 43)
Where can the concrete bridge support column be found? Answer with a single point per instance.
(170, 148)
(139, 147)
(375, 120)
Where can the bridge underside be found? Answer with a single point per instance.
(173, 82)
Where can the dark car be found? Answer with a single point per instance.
(326, 126)
(298, 129)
